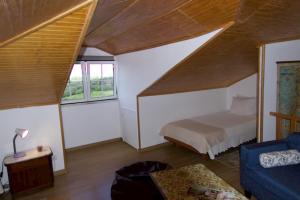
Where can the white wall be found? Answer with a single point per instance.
(138, 70)
(156, 111)
(44, 129)
(129, 127)
(90, 51)
(283, 51)
(87, 123)
(246, 87)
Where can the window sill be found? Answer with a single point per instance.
(89, 102)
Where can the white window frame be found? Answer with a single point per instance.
(85, 69)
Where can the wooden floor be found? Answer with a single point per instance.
(91, 171)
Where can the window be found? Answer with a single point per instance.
(74, 89)
(90, 81)
(101, 80)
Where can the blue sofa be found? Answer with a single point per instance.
(278, 183)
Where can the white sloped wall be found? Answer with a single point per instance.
(138, 70)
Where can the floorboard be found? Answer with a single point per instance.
(91, 170)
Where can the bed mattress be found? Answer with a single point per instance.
(213, 133)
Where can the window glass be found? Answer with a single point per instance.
(101, 80)
(90, 81)
(74, 89)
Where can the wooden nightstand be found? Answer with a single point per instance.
(30, 173)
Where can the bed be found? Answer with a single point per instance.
(214, 133)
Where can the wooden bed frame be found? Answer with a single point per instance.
(181, 144)
(206, 156)
(178, 143)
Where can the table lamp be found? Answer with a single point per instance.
(22, 133)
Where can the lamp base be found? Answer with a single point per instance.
(19, 155)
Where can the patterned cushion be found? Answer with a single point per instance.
(279, 158)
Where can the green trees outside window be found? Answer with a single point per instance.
(101, 80)
(90, 81)
(74, 89)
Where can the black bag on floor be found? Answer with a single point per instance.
(134, 182)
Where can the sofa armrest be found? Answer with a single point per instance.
(249, 154)
(293, 141)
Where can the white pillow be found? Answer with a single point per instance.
(243, 105)
(279, 158)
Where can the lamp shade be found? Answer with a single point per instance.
(22, 132)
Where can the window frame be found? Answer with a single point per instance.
(85, 69)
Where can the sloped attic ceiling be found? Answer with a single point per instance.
(123, 26)
(35, 65)
(226, 59)
(27, 77)
(233, 55)
(17, 16)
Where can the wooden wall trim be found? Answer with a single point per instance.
(138, 123)
(60, 172)
(261, 80)
(63, 137)
(157, 146)
(46, 23)
(93, 144)
(286, 39)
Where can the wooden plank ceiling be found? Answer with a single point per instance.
(233, 55)
(35, 65)
(224, 60)
(17, 16)
(124, 26)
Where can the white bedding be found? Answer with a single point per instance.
(213, 133)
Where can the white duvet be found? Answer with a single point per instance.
(213, 133)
